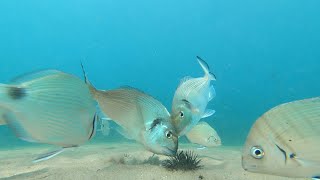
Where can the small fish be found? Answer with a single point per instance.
(285, 141)
(191, 99)
(49, 107)
(141, 117)
(204, 135)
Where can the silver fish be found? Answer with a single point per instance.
(141, 117)
(49, 107)
(191, 99)
(285, 141)
(204, 135)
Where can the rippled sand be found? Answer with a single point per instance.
(121, 161)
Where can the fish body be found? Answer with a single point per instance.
(285, 141)
(49, 107)
(190, 100)
(204, 135)
(141, 117)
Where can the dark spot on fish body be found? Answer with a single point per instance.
(155, 123)
(187, 103)
(292, 155)
(17, 93)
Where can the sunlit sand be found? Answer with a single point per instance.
(121, 161)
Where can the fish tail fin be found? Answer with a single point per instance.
(206, 69)
(86, 79)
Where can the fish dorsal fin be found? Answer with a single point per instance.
(295, 125)
(184, 79)
(34, 75)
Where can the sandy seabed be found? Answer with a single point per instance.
(122, 161)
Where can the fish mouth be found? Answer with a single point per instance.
(243, 164)
(248, 166)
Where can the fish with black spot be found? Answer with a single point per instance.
(140, 116)
(50, 107)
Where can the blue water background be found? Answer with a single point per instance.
(263, 52)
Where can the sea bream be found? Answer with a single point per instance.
(190, 100)
(285, 141)
(141, 117)
(49, 107)
(204, 135)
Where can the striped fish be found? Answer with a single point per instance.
(191, 98)
(141, 117)
(285, 141)
(49, 107)
(204, 135)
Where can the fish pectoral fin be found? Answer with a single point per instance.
(48, 155)
(105, 127)
(307, 163)
(212, 93)
(201, 147)
(208, 113)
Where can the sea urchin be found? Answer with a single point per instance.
(183, 160)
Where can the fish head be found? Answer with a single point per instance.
(182, 116)
(161, 138)
(261, 154)
(213, 140)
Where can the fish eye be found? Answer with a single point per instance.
(257, 152)
(169, 134)
(181, 114)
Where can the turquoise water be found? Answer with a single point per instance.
(263, 52)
